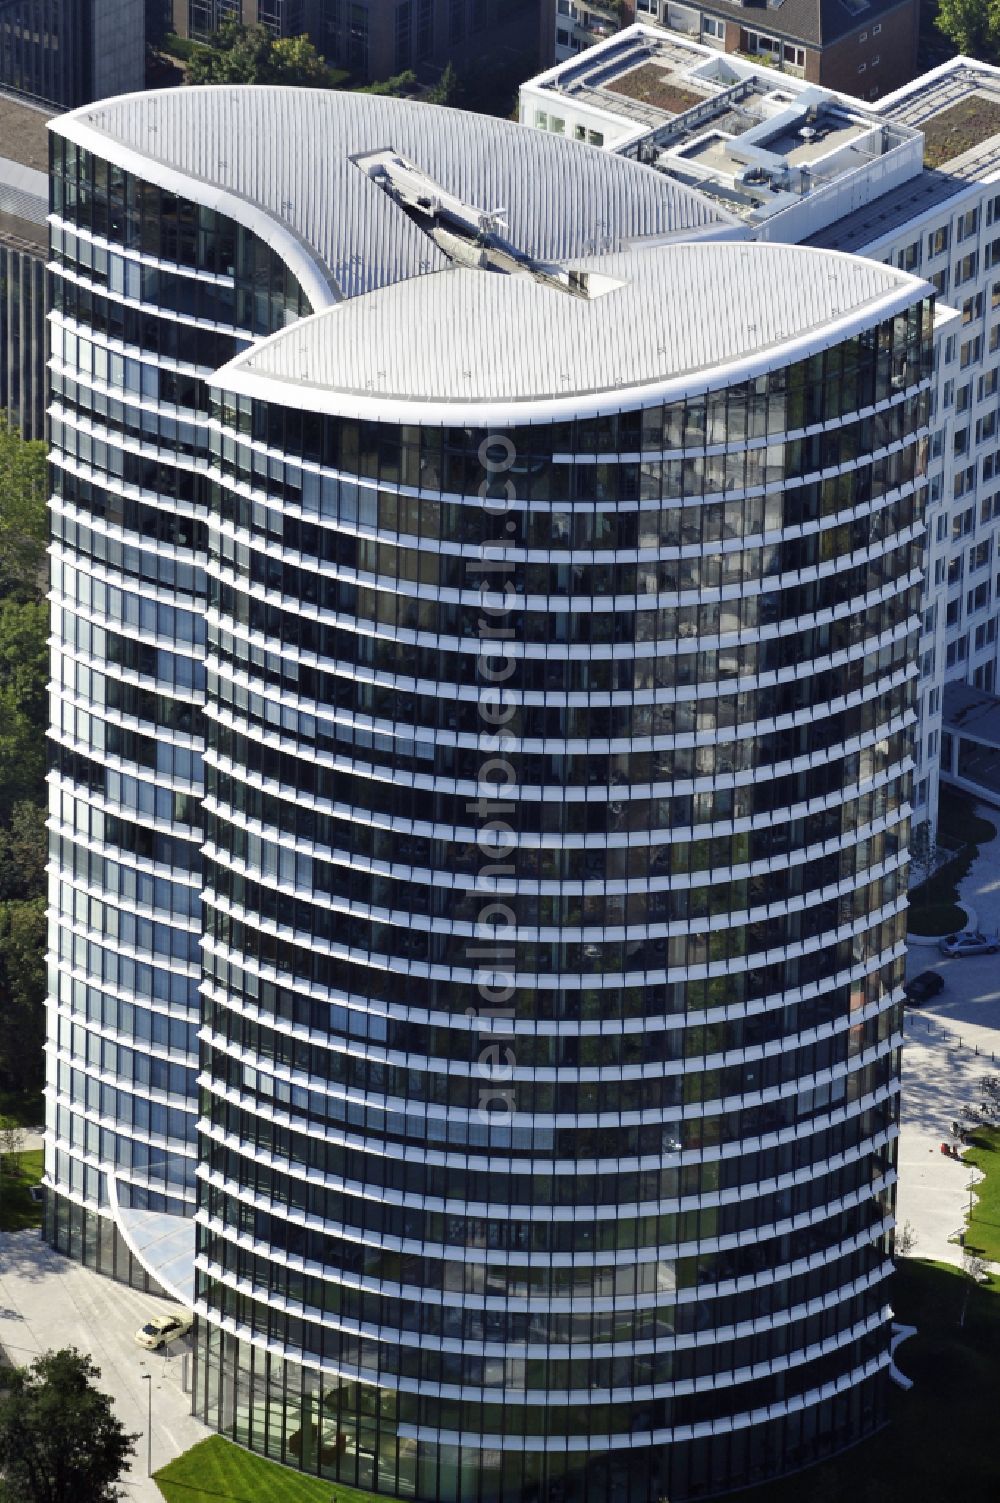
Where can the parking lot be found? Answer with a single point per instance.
(47, 1301)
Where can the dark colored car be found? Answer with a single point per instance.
(923, 987)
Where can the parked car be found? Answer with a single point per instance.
(923, 987)
(161, 1329)
(970, 942)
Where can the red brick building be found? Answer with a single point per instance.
(861, 47)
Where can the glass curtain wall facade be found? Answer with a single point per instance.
(149, 293)
(554, 931)
(22, 335)
(68, 52)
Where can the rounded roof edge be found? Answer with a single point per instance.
(308, 268)
(249, 373)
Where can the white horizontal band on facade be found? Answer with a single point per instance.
(520, 1352)
(609, 1032)
(503, 550)
(101, 290)
(173, 552)
(561, 603)
(424, 1116)
(436, 970)
(133, 401)
(539, 1351)
(662, 1436)
(564, 981)
(544, 1213)
(59, 320)
(559, 1443)
(539, 1301)
(521, 1158)
(379, 1013)
(273, 840)
(120, 673)
(583, 1074)
(454, 690)
(554, 932)
(72, 230)
(78, 1109)
(664, 787)
(724, 737)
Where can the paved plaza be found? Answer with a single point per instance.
(48, 1301)
(950, 1044)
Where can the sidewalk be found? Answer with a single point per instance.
(942, 1070)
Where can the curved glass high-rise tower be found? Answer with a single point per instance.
(561, 586)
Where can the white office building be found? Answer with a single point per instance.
(487, 589)
(912, 181)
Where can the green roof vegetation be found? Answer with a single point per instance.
(958, 128)
(649, 85)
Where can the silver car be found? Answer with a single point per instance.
(970, 942)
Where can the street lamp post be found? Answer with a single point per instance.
(148, 1378)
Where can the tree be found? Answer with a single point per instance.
(986, 1111)
(400, 84)
(24, 671)
(923, 852)
(448, 89)
(60, 1441)
(12, 1141)
(250, 55)
(23, 517)
(906, 1240)
(22, 994)
(972, 25)
(23, 852)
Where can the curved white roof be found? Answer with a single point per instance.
(467, 346)
(280, 161)
(401, 329)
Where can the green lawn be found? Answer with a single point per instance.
(959, 821)
(17, 1209)
(937, 1447)
(933, 905)
(216, 1471)
(983, 1235)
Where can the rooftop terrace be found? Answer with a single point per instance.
(957, 107)
(638, 76)
(24, 162)
(755, 141)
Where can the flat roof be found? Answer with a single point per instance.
(752, 139)
(957, 107)
(966, 711)
(23, 134)
(470, 347)
(24, 165)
